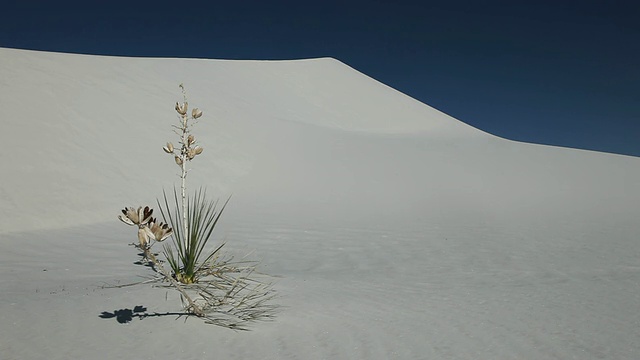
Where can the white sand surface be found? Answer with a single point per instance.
(396, 231)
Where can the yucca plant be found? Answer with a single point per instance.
(208, 282)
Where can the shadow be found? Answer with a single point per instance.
(125, 316)
(144, 262)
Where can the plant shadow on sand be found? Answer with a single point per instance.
(125, 316)
(250, 298)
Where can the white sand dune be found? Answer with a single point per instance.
(398, 231)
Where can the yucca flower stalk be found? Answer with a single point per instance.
(187, 152)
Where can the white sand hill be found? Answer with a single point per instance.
(397, 231)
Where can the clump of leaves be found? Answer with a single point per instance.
(187, 257)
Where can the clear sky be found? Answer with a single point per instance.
(558, 72)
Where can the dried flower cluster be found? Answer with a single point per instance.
(188, 149)
(148, 227)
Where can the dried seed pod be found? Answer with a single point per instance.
(191, 140)
(169, 148)
(140, 216)
(143, 237)
(178, 160)
(131, 214)
(181, 109)
(191, 153)
(159, 231)
(125, 219)
(148, 232)
(198, 150)
(145, 215)
(196, 113)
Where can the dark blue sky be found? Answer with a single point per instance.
(552, 72)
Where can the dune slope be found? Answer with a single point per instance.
(396, 230)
